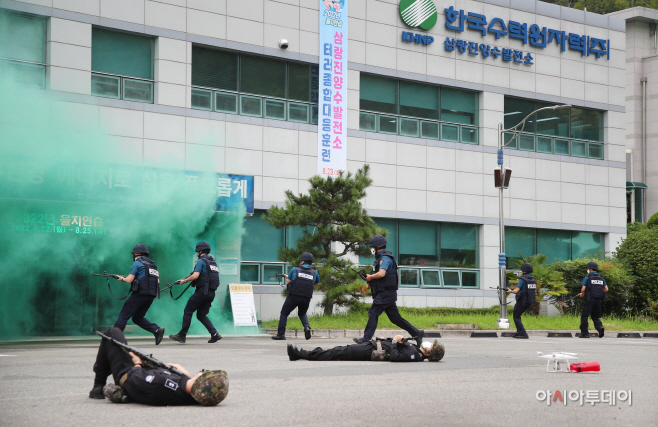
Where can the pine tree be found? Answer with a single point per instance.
(334, 224)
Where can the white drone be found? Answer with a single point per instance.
(555, 361)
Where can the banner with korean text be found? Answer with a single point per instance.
(242, 305)
(332, 111)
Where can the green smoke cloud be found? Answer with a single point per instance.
(73, 202)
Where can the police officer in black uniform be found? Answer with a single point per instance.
(384, 285)
(145, 281)
(525, 296)
(205, 280)
(593, 289)
(300, 280)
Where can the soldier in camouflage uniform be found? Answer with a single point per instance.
(152, 386)
(393, 351)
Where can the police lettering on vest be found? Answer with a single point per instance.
(527, 296)
(208, 281)
(390, 280)
(302, 285)
(147, 285)
(596, 285)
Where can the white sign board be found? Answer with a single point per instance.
(228, 266)
(242, 304)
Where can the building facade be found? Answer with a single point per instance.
(194, 84)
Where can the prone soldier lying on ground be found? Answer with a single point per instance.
(143, 379)
(395, 350)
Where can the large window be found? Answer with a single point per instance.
(557, 245)
(418, 110)
(574, 132)
(122, 65)
(255, 86)
(23, 48)
(432, 254)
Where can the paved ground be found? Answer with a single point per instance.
(480, 382)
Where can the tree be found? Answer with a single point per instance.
(604, 6)
(617, 277)
(549, 281)
(639, 253)
(653, 221)
(334, 224)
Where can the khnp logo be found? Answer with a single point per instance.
(418, 13)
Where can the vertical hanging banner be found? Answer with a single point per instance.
(332, 100)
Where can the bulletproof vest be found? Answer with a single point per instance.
(147, 285)
(529, 293)
(302, 285)
(208, 281)
(390, 280)
(596, 285)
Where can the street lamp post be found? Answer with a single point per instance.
(502, 178)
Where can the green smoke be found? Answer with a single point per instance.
(74, 202)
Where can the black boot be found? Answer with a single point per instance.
(292, 353)
(601, 332)
(215, 338)
(279, 337)
(307, 333)
(97, 392)
(178, 337)
(419, 337)
(158, 335)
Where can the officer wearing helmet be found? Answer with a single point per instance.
(145, 281)
(525, 296)
(205, 280)
(593, 289)
(152, 386)
(301, 279)
(384, 285)
(394, 351)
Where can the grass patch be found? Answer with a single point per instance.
(426, 318)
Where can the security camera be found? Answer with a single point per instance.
(283, 43)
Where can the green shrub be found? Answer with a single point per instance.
(617, 277)
(639, 253)
(653, 221)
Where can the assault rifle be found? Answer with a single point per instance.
(148, 359)
(278, 278)
(362, 274)
(114, 276)
(391, 339)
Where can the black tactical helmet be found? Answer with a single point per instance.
(141, 249)
(526, 267)
(202, 246)
(592, 266)
(377, 241)
(306, 256)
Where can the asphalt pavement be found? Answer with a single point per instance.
(480, 382)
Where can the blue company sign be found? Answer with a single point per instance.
(529, 34)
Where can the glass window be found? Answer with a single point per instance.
(595, 151)
(554, 244)
(226, 102)
(470, 279)
(544, 144)
(275, 109)
(378, 94)
(261, 242)
(451, 278)
(201, 99)
(269, 272)
(300, 84)
(262, 76)
(251, 106)
(586, 244)
(469, 135)
(578, 149)
(552, 122)
(526, 142)
(513, 145)
(429, 130)
(431, 278)
(298, 112)
(519, 241)
(408, 277)
(367, 122)
(214, 68)
(586, 124)
(459, 245)
(137, 90)
(249, 273)
(419, 100)
(419, 243)
(408, 127)
(108, 86)
(562, 147)
(22, 37)
(449, 133)
(388, 124)
(125, 54)
(459, 106)
(516, 109)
